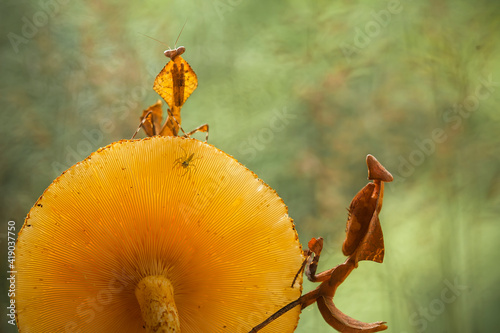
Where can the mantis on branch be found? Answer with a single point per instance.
(364, 241)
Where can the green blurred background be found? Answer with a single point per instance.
(298, 91)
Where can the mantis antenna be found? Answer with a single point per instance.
(175, 45)
(159, 41)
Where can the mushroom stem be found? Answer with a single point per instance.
(155, 295)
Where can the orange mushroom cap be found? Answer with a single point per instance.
(134, 209)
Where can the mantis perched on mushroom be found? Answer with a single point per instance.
(175, 83)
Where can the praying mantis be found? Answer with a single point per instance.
(175, 83)
(364, 241)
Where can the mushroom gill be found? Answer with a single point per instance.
(178, 210)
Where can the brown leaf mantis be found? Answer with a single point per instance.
(364, 241)
(175, 83)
